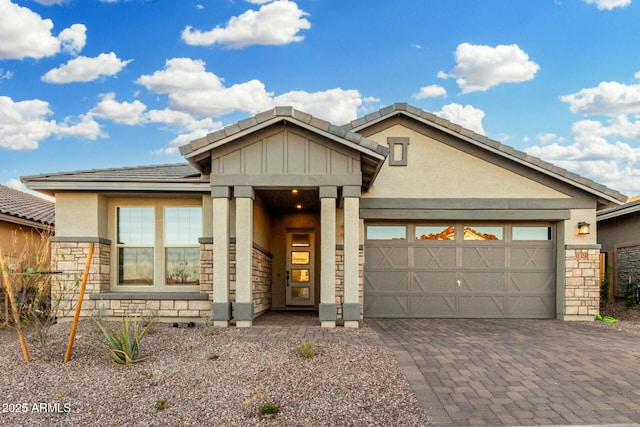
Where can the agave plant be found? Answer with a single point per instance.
(123, 345)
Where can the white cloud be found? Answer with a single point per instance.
(190, 127)
(609, 98)
(467, 116)
(73, 39)
(608, 4)
(24, 124)
(275, 23)
(129, 113)
(25, 34)
(84, 69)
(83, 127)
(51, 2)
(5, 75)
(482, 67)
(16, 184)
(432, 91)
(193, 90)
(333, 105)
(598, 153)
(546, 138)
(196, 91)
(637, 75)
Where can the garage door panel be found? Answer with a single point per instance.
(434, 257)
(417, 278)
(387, 256)
(531, 306)
(434, 281)
(433, 306)
(539, 283)
(533, 258)
(387, 281)
(489, 306)
(483, 257)
(483, 282)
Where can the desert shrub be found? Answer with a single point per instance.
(123, 344)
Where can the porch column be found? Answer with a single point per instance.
(243, 311)
(328, 309)
(221, 305)
(351, 304)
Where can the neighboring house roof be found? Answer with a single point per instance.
(23, 208)
(618, 211)
(491, 145)
(181, 176)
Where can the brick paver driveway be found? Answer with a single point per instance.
(517, 372)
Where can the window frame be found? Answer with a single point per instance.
(159, 246)
(403, 143)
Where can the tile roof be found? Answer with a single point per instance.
(180, 172)
(22, 205)
(487, 143)
(268, 117)
(618, 211)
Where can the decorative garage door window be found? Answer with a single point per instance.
(435, 232)
(478, 232)
(386, 232)
(465, 270)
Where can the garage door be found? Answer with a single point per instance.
(459, 270)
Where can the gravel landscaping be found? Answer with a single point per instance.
(218, 377)
(202, 376)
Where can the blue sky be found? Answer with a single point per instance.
(88, 84)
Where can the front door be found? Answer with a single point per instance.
(300, 274)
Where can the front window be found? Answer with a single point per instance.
(157, 247)
(183, 227)
(135, 246)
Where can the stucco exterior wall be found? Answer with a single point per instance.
(81, 215)
(436, 170)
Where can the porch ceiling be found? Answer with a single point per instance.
(284, 200)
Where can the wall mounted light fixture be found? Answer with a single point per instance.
(584, 228)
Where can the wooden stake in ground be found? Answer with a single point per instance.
(14, 309)
(83, 286)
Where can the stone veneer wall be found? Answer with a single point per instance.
(261, 278)
(69, 258)
(340, 281)
(582, 285)
(206, 269)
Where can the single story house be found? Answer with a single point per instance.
(619, 236)
(399, 213)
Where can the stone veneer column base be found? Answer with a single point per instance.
(582, 283)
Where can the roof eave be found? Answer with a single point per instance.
(51, 187)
